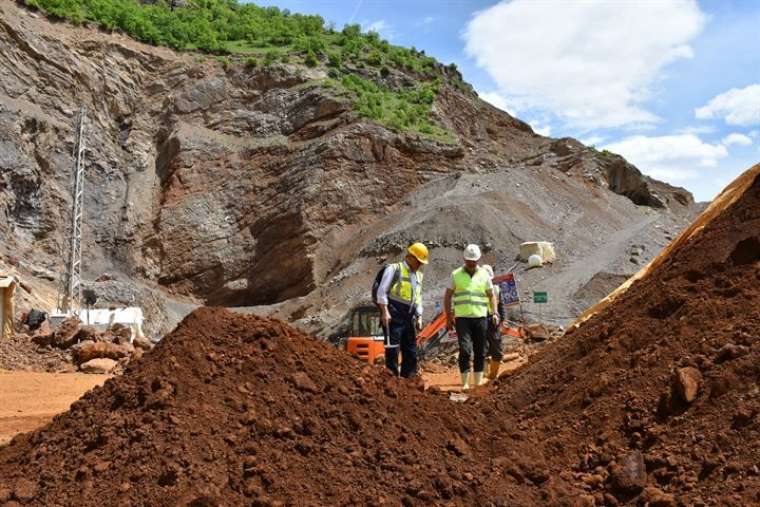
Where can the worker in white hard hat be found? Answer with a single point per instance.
(399, 298)
(470, 292)
(493, 353)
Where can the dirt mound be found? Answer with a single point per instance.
(21, 353)
(657, 395)
(230, 410)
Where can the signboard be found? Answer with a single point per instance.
(540, 297)
(508, 290)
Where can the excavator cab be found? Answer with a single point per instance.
(365, 337)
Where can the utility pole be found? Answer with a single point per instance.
(70, 291)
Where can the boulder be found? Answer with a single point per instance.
(629, 474)
(686, 382)
(100, 365)
(142, 342)
(120, 334)
(95, 350)
(304, 383)
(88, 333)
(66, 334)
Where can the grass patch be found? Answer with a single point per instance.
(246, 34)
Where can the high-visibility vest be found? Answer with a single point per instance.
(401, 289)
(496, 293)
(470, 298)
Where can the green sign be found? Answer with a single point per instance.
(540, 297)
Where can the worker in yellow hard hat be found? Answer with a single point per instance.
(399, 297)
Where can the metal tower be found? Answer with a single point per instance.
(70, 292)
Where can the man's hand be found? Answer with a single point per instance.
(418, 323)
(449, 322)
(495, 319)
(385, 317)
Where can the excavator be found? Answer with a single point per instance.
(366, 340)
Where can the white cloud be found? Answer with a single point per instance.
(498, 100)
(542, 130)
(380, 26)
(587, 62)
(702, 129)
(673, 158)
(428, 20)
(736, 138)
(593, 140)
(737, 106)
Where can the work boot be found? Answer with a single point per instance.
(465, 380)
(478, 378)
(493, 369)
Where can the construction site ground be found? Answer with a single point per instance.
(32, 399)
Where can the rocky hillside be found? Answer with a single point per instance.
(239, 185)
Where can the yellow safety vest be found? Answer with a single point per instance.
(496, 293)
(401, 289)
(470, 298)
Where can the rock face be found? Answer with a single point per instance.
(241, 187)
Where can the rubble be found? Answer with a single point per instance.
(69, 346)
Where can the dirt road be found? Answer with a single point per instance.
(28, 400)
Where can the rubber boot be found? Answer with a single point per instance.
(477, 378)
(489, 369)
(493, 369)
(465, 380)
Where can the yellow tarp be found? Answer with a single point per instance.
(730, 195)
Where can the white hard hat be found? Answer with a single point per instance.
(488, 269)
(472, 252)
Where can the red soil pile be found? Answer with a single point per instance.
(656, 398)
(241, 410)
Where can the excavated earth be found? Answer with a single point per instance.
(653, 400)
(244, 410)
(239, 186)
(664, 383)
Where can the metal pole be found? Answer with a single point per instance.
(71, 297)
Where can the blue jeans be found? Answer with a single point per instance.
(402, 337)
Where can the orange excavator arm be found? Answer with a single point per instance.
(432, 330)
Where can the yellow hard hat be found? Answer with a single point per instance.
(419, 251)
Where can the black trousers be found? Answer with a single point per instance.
(472, 337)
(494, 341)
(402, 337)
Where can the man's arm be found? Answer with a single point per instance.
(447, 309)
(382, 293)
(502, 309)
(494, 302)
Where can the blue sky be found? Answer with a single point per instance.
(673, 85)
